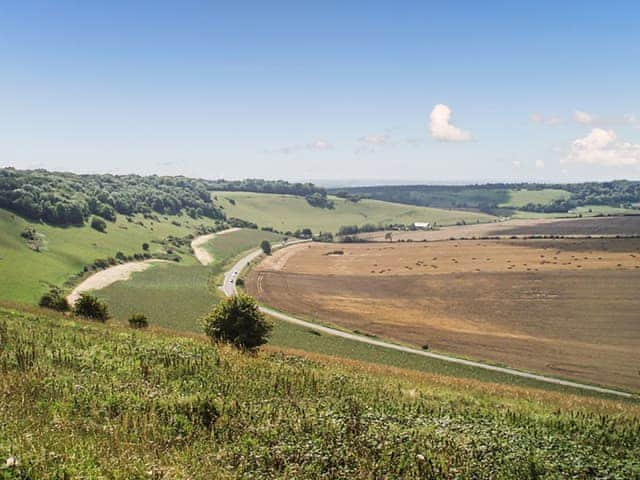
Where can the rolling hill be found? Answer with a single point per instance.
(290, 213)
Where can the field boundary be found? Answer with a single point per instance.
(229, 288)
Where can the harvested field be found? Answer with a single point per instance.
(563, 307)
(629, 225)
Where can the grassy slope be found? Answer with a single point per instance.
(84, 400)
(24, 273)
(520, 198)
(286, 212)
(174, 295)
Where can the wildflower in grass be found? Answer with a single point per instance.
(12, 462)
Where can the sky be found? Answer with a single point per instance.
(361, 92)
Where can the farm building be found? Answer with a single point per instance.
(422, 225)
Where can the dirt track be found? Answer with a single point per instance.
(104, 278)
(201, 253)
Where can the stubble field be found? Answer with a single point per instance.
(563, 307)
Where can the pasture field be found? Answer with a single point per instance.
(290, 213)
(228, 246)
(175, 296)
(25, 273)
(562, 307)
(80, 399)
(520, 198)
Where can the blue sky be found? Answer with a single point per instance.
(413, 91)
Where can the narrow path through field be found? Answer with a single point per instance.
(104, 278)
(197, 244)
(229, 288)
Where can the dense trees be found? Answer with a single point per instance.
(68, 199)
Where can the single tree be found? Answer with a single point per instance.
(145, 246)
(98, 224)
(266, 247)
(90, 307)
(239, 321)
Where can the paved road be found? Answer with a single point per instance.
(229, 288)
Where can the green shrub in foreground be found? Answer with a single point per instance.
(90, 307)
(55, 300)
(138, 320)
(239, 321)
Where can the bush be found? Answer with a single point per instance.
(266, 247)
(90, 307)
(98, 224)
(145, 246)
(239, 321)
(138, 320)
(55, 300)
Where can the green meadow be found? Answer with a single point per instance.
(85, 400)
(290, 213)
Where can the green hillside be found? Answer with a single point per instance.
(518, 198)
(26, 273)
(175, 295)
(82, 400)
(290, 213)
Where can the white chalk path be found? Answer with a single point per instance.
(111, 275)
(201, 253)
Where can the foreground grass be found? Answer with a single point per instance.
(287, 212)
(85, 400)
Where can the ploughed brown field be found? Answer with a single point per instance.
(567, 307)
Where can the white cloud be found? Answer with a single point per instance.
(601, 147)
(319, 145)
(539, 163)
(375, 139)
(583, 118)
(554, 120)
(441, 129)
(540, 119)
(536, 118)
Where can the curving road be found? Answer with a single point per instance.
(229, 289)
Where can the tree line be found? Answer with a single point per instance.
(61, 198)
